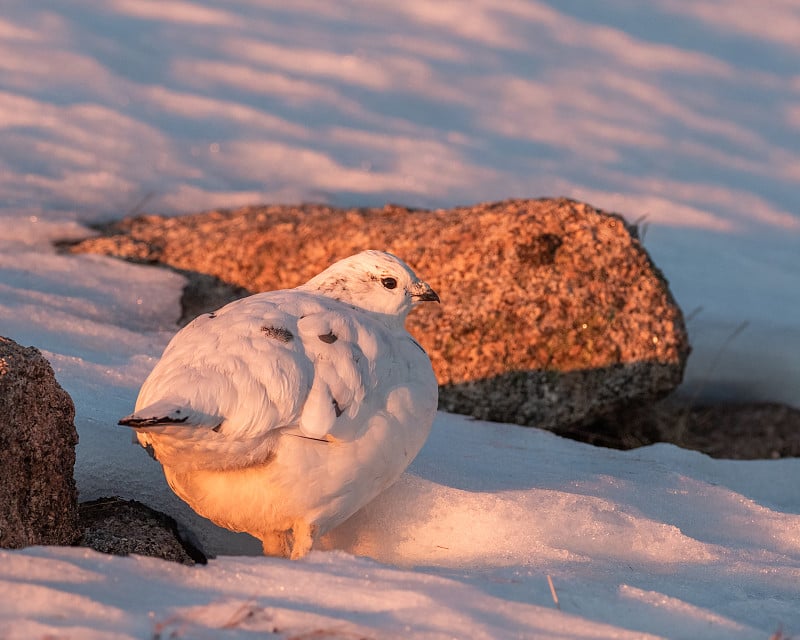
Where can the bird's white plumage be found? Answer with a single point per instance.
(283, 413)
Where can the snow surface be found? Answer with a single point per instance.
(686, 112)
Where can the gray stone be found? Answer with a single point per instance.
(120, 527)
(552, 312)
(38, 498)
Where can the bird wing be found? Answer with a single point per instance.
(343, 374)
(240, 370)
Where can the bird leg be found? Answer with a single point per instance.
(304, 536)
(277, 543)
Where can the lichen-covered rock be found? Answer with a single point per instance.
(38, 498)
(552, 312)
(120, 527)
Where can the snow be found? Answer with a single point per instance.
(685, 112)
(653, 541)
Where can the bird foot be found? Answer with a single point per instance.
(293, 543)
(304, 536)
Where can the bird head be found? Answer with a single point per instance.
(375, 281)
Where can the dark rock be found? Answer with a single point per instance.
(38, 498)
(552, 312)
(120, 527)
(204, 292)
(746, 431)
(739, 431)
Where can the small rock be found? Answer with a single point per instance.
(120, 527)
(38, 498)
(552, 312)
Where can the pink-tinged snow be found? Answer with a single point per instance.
(657, 542)
(74, 593)
(652, 109)
(686, 112)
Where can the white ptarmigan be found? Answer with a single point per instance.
(283, 413)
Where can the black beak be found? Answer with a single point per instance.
(422, 292)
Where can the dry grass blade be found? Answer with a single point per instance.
(246, 611)
(553, 592)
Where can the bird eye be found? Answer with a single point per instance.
(389, 283)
